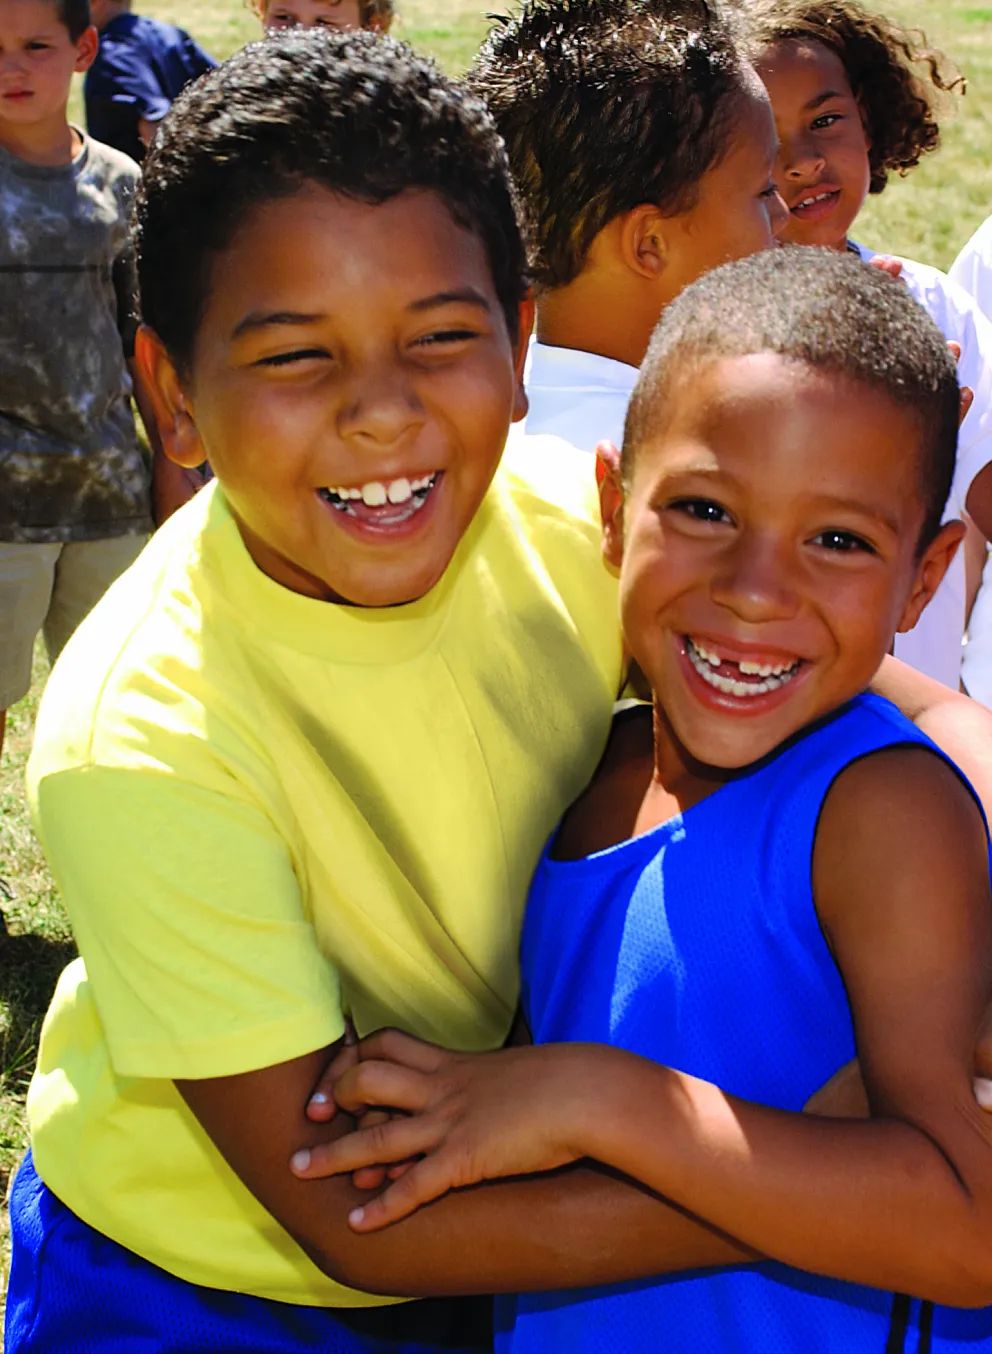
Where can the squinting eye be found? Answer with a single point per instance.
(441, 336)
(844, 542)
(285, 359)
(770, 191)
(702, 509)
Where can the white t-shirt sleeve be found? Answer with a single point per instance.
(972, 269)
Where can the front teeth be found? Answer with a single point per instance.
(375, 494)
(704, 661)
(820, 197)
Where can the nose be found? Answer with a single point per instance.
(755, 581)
(379, 408)
(800, 160)
(12, 63)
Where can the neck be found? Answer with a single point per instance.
(597, 314)
(678, 777)
(50, 142)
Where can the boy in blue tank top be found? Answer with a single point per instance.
(770, 874)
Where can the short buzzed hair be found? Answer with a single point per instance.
(830, 312)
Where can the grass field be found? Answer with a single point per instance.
(928, 217)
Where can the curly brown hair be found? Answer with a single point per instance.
(369, 9)
(899, 80)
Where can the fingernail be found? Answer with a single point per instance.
(356, 1217)
(301, 1160)
(320, 1098)
(983, 1092)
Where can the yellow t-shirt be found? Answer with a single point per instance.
(262, 809)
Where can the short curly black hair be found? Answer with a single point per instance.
(604, 105)
(899, 81)
(355, 113)
(75, 16)
(825, 309)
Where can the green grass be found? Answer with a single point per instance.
(928, 216)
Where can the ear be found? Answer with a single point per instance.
(525, 326)
(87, 46)
(933, 565)
(610, 482)
(173, 413)
(645, 241)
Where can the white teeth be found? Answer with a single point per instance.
(374, 495)
(820, 197)
(400, 491)
(774, 676)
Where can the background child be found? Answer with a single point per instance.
(643, 148)
(855, 98)
(771, 862)
(375, 15)
(142, 65)
(75, 504)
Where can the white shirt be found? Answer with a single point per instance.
(934, 647)
(972, 271)
(578, 396)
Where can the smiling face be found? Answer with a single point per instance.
(312, 14)
(823, 170)
(353, 380)
(769, 550)
(37, 62)
(738, 211)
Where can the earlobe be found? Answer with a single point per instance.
(611, 499)
(933, 565)
(173, 415)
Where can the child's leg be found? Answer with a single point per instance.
(27, 574)
(72, 1288)
(84, 572)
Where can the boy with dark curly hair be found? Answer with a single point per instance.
(375, 15)
(856, 98)
(643, 147)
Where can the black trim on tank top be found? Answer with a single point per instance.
(899, 1327)
(926, 1328)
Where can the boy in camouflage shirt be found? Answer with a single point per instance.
(75, 486)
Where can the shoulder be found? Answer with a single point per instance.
(133, 677)
(551, 479)
(111, 166)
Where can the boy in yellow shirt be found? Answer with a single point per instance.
(302, 762)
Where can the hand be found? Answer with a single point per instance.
(321, 1108)
(472, 1117)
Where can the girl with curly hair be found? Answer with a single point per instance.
(856, 98)
(376, 15)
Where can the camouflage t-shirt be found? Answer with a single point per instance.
(71, 468)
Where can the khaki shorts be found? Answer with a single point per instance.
(51, 588)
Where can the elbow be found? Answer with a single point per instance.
(964, 1279)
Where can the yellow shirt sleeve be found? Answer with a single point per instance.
(190, 920)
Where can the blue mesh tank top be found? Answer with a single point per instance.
(698, 945)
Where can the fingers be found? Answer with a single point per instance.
(967, 400)
(983, 1092)
(377, 1085)
(321, 1106)
(371, 1177)
(394, 1046)
(397, 1140)
(425, 1181)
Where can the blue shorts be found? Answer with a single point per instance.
(73, 1289)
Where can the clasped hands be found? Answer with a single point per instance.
(429, 1120)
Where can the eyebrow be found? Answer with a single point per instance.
(825, 97)
(289, 318)
(467, 296)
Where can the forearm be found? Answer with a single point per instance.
(875, 1202)
(577, 1228)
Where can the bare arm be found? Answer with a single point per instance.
(574, 1228)
(958, 725)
